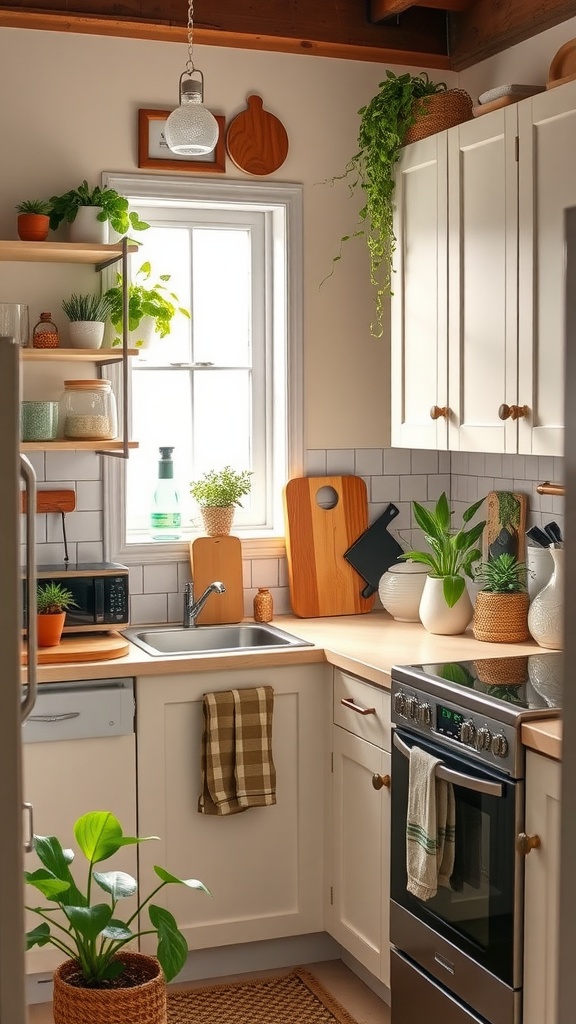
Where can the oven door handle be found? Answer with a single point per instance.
(448, 775)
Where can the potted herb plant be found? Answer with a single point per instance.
(88, 210)
(101, 981)
(52, 602)
(445, 606)
(501, 609)
(33, 220)
(217, 493)
(87, 315)
(385, 126)
(151, 307)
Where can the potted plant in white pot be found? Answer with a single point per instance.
(87, 211)
(218, 492)
(52, 603)
(501, 608)
(87, 315)
(445, 606)
(33, 220)
(101, 981)
(151, 308)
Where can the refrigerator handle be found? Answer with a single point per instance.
(29, 476)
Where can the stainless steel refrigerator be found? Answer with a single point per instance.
(17, 695)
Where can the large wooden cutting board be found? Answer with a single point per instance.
(218, 558)
(321, 580)
(72, 647)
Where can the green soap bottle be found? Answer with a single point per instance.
(165, 518)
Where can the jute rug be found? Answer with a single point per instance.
(296, 998)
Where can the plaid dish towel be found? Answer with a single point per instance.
(430, 827)
(237, 767)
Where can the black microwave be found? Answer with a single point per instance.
(100, 592)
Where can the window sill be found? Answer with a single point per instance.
(153, 552)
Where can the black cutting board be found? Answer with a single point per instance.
(375, 551)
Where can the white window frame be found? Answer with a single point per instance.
(284, 202)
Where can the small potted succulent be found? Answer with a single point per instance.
(87, 315)
(217, 493)
(501, 609)
(151, 307)
(33, 220)
(87, 211)
(101, 980)
(53, 601)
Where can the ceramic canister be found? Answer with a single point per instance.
(38, 421)
(400, 590)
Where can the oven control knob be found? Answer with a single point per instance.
(499, 745)
(425, 714)
(468, 732)
(483, 738)
(400, 703)
(412, 705)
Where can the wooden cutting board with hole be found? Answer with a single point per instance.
(212, 559)
(321, 581)
(256, 140)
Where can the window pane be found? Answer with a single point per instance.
(222, 293)
(167, 249)
(221, 421)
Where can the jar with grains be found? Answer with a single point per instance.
(88, 410)
(263, 605)
(45, 333)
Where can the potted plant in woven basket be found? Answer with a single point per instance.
(217, 493)
(102, 982)
(406, 108)
(501, 609)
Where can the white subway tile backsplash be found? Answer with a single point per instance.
(283, 572)
(437, 485)
(340, 462)
(476, 464)
(384, 489)
(136, 579)
(246, 573)
(397, 461)
(546, 468)
(52, 554)
(493, 465)
(265, 572)
(93, 552)
(80, 526)
(73, 466)
(424, 462)
(161, 578)
(444, 459)
(414, 488)
(368, 462)
(315, 462)
(89, 497)
(148, 608)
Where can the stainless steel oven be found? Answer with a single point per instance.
(457, 957)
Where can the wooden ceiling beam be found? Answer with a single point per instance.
(491, 26)
(380, 10)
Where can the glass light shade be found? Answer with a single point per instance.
(191, 130)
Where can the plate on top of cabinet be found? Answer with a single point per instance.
(563, 66)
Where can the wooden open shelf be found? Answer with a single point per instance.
(62, 252)
(75, 446)
(86, 355)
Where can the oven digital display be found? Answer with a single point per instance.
(448, 722)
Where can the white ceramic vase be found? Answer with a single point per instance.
(400, 590)
(436, 616)
(87, 228)
(86, 333)
(546, 611)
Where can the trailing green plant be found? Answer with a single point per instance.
(384, 122)
(502, 575)
(41, 206)
(87, 307)
(79, 923)
(221, 488)
(145, 298)
(453, 551)
(53, 598)
(113, 208)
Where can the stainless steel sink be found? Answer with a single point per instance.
(207, 639)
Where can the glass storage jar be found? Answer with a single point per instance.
(88, 410)
(45, 333)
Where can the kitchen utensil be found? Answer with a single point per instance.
(317, 535)
(256, 140)
(218, 558)
(505, 530)
(539, 537)
(82, 648)
(553, 531)
(375, 551)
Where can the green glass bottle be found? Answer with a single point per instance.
(165, 518)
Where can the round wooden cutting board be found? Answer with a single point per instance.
(74, 647)
(256, 140)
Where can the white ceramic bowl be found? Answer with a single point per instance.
(400, 590)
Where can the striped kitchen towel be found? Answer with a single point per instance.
(237, 766)
(430, 827)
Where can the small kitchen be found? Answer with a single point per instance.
(311, 900)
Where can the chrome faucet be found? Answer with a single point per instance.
(193, 608)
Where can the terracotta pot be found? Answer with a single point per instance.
(143, 1002)
(33, 227)
(436, 616)
(501, 618)
(217, 520)
(50, 629)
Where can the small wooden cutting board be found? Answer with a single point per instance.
(218, 558)
(256, 140)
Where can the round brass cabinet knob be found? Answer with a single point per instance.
(437, 411)
(525, 843)
(378, 781)
(512, 412)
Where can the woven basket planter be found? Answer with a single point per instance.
(501, 618)
(217, 520)
(439, 111)
(502, 671)
(142, 1001)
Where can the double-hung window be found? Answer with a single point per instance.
(223, 388)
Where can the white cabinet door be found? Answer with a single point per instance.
(419, 300)
(482, 283)
(263, 866)
(541, 912)
(547, 158)
(361, 852)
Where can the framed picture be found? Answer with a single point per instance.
(153, 149)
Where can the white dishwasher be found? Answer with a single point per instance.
(79, 755)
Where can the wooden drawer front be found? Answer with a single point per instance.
(362, 697)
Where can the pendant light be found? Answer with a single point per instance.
(191, 130)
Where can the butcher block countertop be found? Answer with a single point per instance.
(365, 645)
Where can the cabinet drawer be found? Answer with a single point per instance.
(366, 712)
